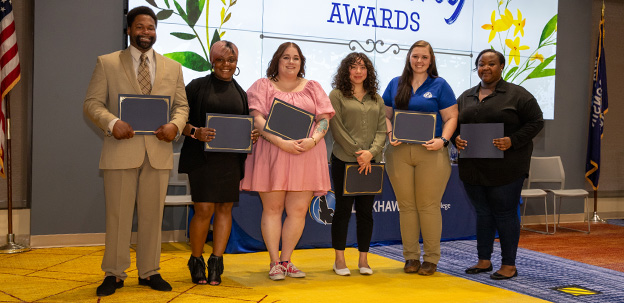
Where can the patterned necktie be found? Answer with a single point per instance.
(145, 80)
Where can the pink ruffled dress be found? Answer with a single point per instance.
(269, 168)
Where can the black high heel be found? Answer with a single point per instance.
(197, 266)
(215, 270)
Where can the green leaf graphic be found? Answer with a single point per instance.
(181, 11)
(223, 1)
(215, 37)
(549, 28)
(152, 2)
(167, 3)
(227, 17)
(164, 14)
(190, 60)
(540, 70)
(510, 72)
(192, 9)
(183, 36)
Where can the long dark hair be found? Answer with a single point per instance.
(342, 80)
(404, 91)
(273, 68)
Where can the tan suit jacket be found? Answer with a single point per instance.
(114, 74)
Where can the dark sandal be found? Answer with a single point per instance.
(215, 270)
(197, 267)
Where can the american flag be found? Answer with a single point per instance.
(9, 63)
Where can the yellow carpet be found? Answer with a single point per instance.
(72, 275)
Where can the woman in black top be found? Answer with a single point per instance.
(494, 185)
(214, 177)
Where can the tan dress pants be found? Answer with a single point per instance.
(419, 178)
(146, 188)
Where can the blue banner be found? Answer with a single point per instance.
(599, 107)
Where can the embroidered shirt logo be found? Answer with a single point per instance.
(428, 95)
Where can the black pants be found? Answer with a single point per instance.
(342, 213)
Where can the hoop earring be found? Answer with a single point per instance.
(237, 72)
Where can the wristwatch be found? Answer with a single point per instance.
(446, 142)
(193, 132)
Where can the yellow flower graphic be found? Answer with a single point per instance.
(538, 56)
(491, 27)
(519, 24)
(514, 49)
(505, 22)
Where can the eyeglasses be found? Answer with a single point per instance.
(222, 61)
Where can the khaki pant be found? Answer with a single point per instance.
(146, 188)
(419, 178)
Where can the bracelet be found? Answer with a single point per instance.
(265, 138)
(388, 133)
(313, 140)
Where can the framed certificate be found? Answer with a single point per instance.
(233, 133)
(413, 127)
(356, 184)
(145, 113)
(288, 121)
(479, 137)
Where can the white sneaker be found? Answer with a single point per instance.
(293, 272)
(342, 272)
(277, 272)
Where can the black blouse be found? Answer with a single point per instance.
(514, 106)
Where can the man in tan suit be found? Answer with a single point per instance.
(135, 167)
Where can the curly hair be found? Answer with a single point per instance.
(273, 68)
(140, 10)
(342, 80)
(404, 91)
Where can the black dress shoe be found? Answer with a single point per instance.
(497, 276)
(109, 286)
(156, 282)
(215, 270)
(476, 270)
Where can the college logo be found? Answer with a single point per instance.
(322, 208)
(428, 95)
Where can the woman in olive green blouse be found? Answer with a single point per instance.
(359, 132)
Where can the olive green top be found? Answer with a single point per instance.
(357, 125)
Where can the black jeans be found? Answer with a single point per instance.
(342, 213)
(497, 209)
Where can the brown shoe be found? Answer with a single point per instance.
(411, 266)
(427, 269)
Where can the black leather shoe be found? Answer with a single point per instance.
(497, 276)
(156, 282)
(109, 286)
(197, 266)
(215, 270)
(476, 270)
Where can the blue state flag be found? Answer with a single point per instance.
(599, 107)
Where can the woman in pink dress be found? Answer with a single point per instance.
(287, 173)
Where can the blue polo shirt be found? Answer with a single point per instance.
(432, 96)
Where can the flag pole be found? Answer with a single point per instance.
(10, 247)
(596, 218)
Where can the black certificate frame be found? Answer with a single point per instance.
(237, 124)
(285, 119)
(351, 169)
(135, 115)
(415, 119)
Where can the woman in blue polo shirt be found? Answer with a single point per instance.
(419, 172)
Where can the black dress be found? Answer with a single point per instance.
(213, 176)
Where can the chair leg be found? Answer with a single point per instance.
(585, 210)
(545, 216)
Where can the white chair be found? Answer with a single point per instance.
(550, 170)
(176, 179)
(534, 193)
